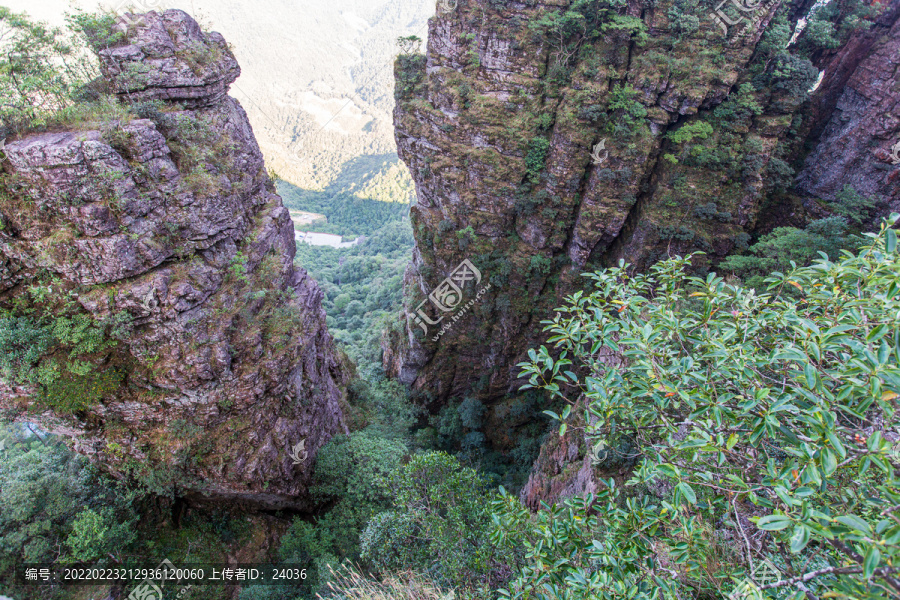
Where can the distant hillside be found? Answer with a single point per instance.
(303, 63)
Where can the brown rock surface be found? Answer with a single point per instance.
(167, 233)
(168, 57)
(499, 141)
(856, 119)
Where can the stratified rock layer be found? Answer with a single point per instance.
(537, 167)
(170, 58)
(168, 234)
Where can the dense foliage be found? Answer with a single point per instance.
(55, 507)
(764, 425)
(438, 524)
(40, 72)
(775, 251)
(363, 287)
(352, 473)
(349, 214)
(48, 75)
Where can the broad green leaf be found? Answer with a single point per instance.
(688, 492)
(799, 539)
(854, 522)
(873, 558)
(773, 522)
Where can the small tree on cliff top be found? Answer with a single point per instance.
(766, 426)
(37, 70)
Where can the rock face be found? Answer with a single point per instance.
(171, 59)
(153, 254)
(546, 141)
(647, 131)
(857, 119)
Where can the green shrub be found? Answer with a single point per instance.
(540, 265)
(683, 17)
(710, 211)
(535, 158)
(854, 207)
(55, 506)
(352, 474)
(70, 392)
(760, 415)
(23, 342)
(31, 352)
(471, 413)
(409, 73)
(786, 245)
(738, 108)
(97, 534)
(438, 523)
(623, 103)
(687, 133)
(794, 76)
(40, 72)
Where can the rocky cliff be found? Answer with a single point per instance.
(550, 138)
(151, 307)
(855, 118)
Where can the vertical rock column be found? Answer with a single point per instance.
(163, 235)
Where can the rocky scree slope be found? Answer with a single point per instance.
(147, 277)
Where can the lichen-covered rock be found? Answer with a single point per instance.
(538, 161)
(204, 365)
(166, 56)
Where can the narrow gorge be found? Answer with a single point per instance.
(499, 125)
